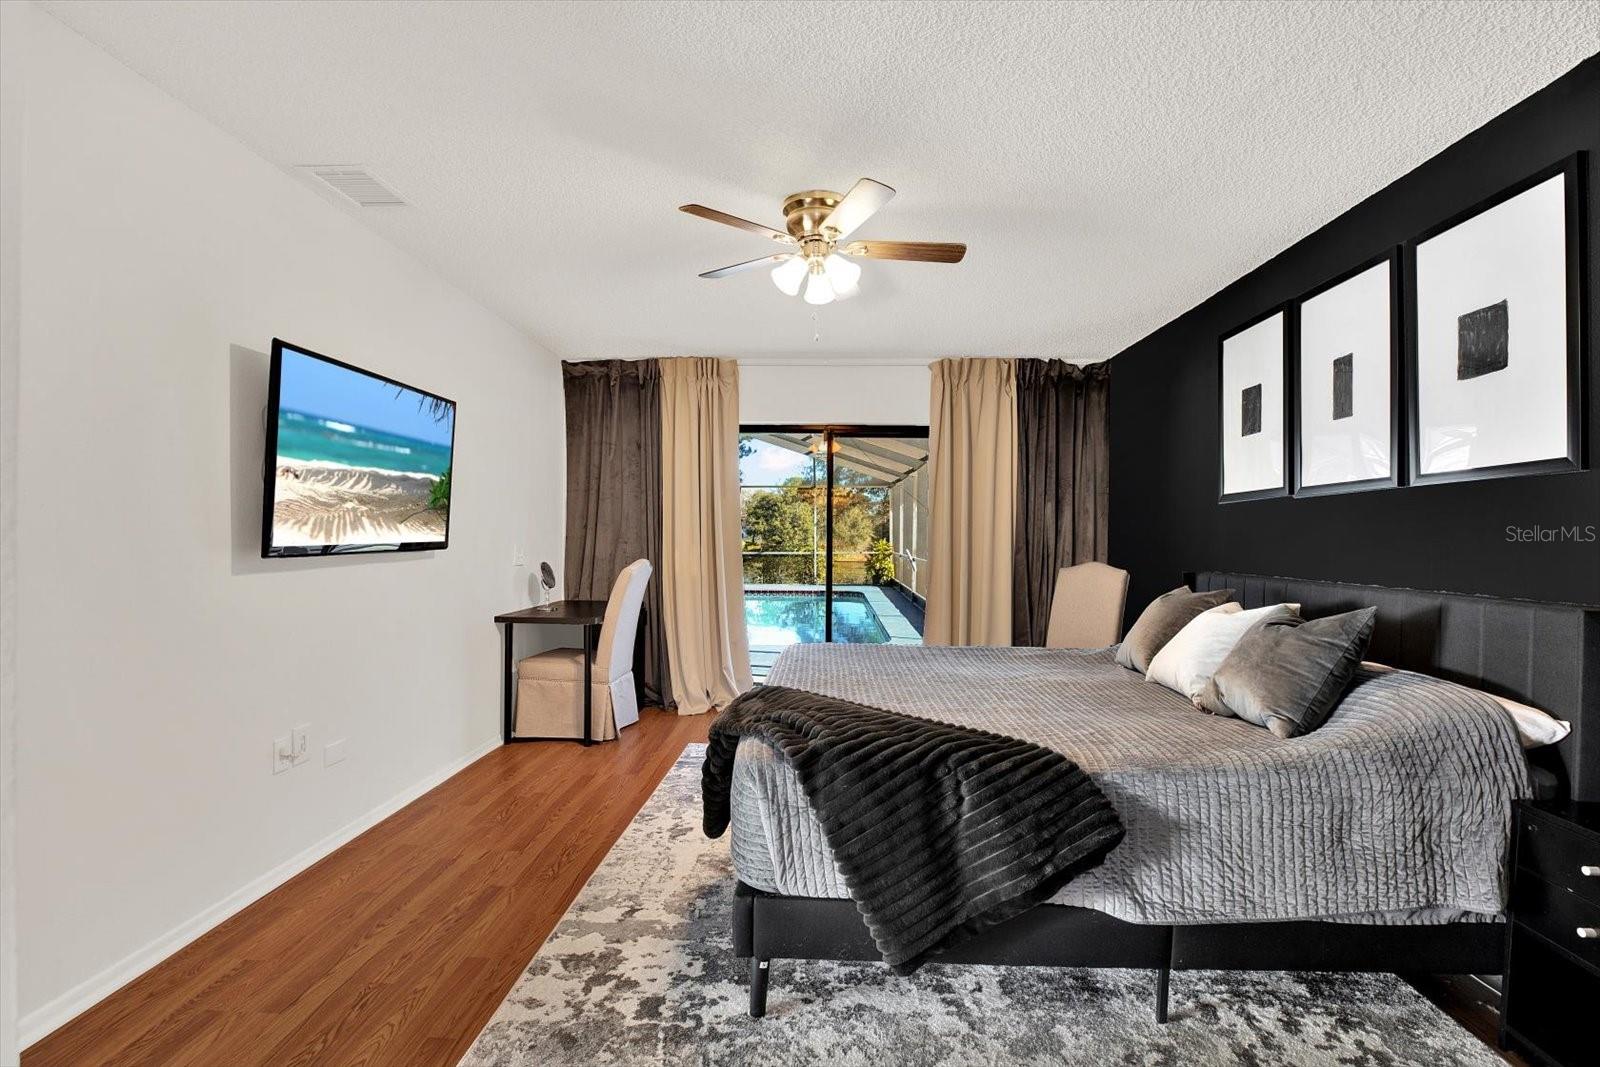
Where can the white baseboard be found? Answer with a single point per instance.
(43, 1020)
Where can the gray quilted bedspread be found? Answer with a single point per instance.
(1397, 809)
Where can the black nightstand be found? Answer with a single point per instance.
(1551, 1000)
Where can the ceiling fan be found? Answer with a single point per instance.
(817, 221)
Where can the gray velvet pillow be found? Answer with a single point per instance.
(1289, 674)
(1161, 621)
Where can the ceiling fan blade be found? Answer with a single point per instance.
(859, 204)
(733, 220)
(749, 264)
(914, 251)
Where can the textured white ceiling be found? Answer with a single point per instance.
(1110, 164)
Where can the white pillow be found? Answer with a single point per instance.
(1187, 662)
(1534, 727)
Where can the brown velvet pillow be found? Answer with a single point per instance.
(1289, 675)
(1161, 621)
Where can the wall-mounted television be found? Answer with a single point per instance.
(356, 461)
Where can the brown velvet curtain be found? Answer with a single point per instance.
(1063, 482)
(614, 495)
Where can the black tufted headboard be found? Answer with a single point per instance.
(1546, 655)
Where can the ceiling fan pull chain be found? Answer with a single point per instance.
(816, 331)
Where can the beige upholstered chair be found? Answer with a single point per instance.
(1086, 611)
(550, 685)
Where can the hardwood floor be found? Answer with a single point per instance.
(1469, 1002)
(398, 947)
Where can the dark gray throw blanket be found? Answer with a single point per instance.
(939, 830)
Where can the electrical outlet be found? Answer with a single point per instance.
(302, 743)
(282, 754)
(333, 752)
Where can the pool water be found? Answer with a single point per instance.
(777, 619)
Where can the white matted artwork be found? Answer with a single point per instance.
(1253, 410)
(1346, 416)
(1492, 358)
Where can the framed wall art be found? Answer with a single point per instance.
(1347, 382)
(1251, 372)
(1494, 354)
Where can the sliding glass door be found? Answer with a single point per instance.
(835, 531)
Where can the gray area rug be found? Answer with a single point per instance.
(640, 971)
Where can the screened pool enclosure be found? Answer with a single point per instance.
(835, 525)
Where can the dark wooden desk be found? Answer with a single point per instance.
(588, 614)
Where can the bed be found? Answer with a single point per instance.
(1375, 843)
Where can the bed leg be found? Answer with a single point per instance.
(759, 970)
(1163, 979)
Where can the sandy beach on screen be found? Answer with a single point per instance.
(329, 503)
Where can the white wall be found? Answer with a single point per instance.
(158, 654)
(836, 390)
(15, 20)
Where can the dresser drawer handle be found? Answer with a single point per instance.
(1589, 870)
(1587, 932)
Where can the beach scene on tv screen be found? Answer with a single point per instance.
(361, 462)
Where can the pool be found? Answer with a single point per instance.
(783, 617)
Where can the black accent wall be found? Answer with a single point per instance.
(1165, 518)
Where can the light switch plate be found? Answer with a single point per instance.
(300, 737)
(333, 752)
(282, 754)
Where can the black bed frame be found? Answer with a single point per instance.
(1547, 655)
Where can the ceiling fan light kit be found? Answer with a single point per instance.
(817, 220)
(790, 275)
(843, 275)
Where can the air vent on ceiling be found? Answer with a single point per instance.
(353, 183)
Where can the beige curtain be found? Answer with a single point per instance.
(972, 452)
(702, 572)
